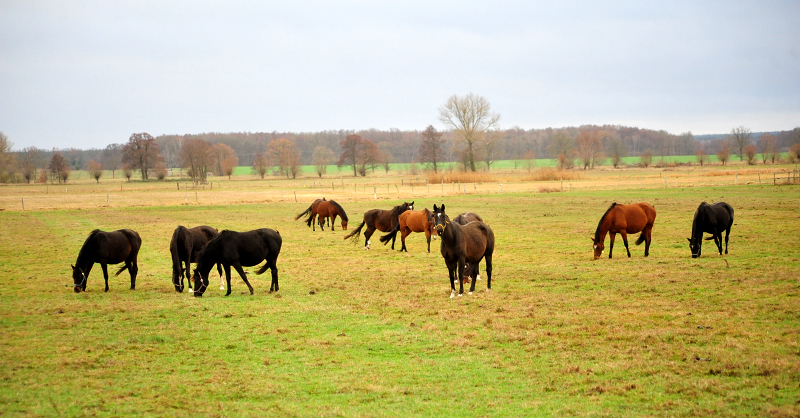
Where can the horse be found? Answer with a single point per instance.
(186, 244)
(382, 220)
(412, 221)
(624, 220)
(330, 210)
(463, 219)
(107, 248)
(712, 219)
(469, 243)
(237, 249)
(311, 212)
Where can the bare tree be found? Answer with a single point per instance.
(724, 152)
(741, 138)
(530, 160)
(141, 152)
(768, 144)
(386, 156)
(95, 169)
(58, 167)
(750, 152)
(195, 156)
(470, 117)
(431, 149)
(111, 158)
(260, 164)
(127, 171)
(323, 156)
(30, 161)
(229, 164)
(646, 158)
(562, 144)
(285, 154)
(352, 152)
(7, 164)
(590, 145)
(220, 153)
(617, 151)
(702, 157)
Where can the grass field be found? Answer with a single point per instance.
(374, 333)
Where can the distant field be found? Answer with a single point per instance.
(374, 333)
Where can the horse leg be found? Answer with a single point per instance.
(488, 259)
(321, 222)
(133, 269)
(221, 280)
(394, 238)
(403, 235)
(228, 278)
(186, 272)
(727, 234)
(332, 223)
(624, 236)
(451, 272)
(611, 237)
(427, 236)
(313, 219)
(368, 233)
(240, 270)
(461, 263)
(105, 274)
(273, 266)
(648, 230)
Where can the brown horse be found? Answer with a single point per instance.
(624, 220)
(413, 221)
(472, 269)
(381, 220)
(311, 212)
(462, 245)
(330, 210)
(107, 248)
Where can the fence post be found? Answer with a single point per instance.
(186, 197)
(735, 176)
(562, 184)
(106, 199)
(196, 202)
(665, 182)
(23, 203)
(295, 197)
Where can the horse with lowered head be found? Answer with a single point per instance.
(330, 210)
(412, 221)
(624, 220)
(239, 249)
(184, 247)
(381, 220)
(712, 219)
(312, 213)
(107, 248)
(462, 245)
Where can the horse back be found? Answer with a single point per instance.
(248, 248)
(414, 220)
(117, 246)
(479, 240)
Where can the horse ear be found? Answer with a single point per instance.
(592, 238)
(689, 239)
(442, 207)
(435, 209)
(73, 267)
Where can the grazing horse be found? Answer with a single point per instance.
(463, 219)
(237, 249)
(382, 220)
(311, 212)
(107, 248)
(330, 210)
(712, 219)
(469, 243)
(624, 220)
(412, 221)
(186, 244)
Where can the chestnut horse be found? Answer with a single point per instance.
(184, 247)
(311, 212)
(381, 220)
(413, 221)
(464, 244)
(330, 210)
(107, 248)
(624, 220)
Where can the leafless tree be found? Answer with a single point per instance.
(431, 150)
(470, 117)
(768, 144)
(323, 156)
(58, 167)
(617, 151)
(260, 164)
(702, 157)
(285, 155)
(646, 158)
(95, 170)
(30, 161)
(724, 152)
(529, 160)
(141, 152)
(750, 152)
(741, 138)
(196, 157)
(229, 164)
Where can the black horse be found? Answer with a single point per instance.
(712, 219)
(185, 246)
(469, 243)
(237, 249)
(107, 248)
(382, 220)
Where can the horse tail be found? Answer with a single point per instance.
(356, 232)
(263, 269)
(391, 235)
(121, 269)
(709, 238)
(307, 211)
(641, 238)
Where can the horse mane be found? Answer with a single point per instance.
(84, 249)
(341, 209)
(694, 219)
(397, 210)
(600, 224)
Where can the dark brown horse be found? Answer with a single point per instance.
(624, 220)
(107, 248)
(330, 210)
(713, 219)
(381, 220)
(469, 243)
(311, 212)
(185, 246)
(412, 221)
(472, 269)
(239, 249)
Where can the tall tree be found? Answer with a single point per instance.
(58, 167)
(431, 150)
(141, 152)
(741, 138)
(590, 145)
(768, 144)
(322, 157)
(617, 151)
(470, 117)
(196, 157)
(221, 152)
(229, 164)
(285, 154)
(111, 158)
(29, 162)
(352, 152)
(386, 155)
(372, 155)
(260, 164)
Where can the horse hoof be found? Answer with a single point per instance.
(452, 295)
(191, 291)
(469, 293)
(478, 277)
(459, 295)
(222, 288)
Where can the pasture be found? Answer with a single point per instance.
(374, 333)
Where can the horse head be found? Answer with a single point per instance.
(344, 224)
(440, 219)
(200, 283)
(409, 206)
(695, 247)
(78, 279)
(598, 248)
(177, 276)
(431, 222)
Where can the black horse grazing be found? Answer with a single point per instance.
(382, 220)
(469, 243)
(472, 269)
(237, 249)
(712, 219)
(107, 248)
(185, 246)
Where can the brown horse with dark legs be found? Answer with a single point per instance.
(624, 220)
(470, 243)
(184, 247)
(412, 221)
(381, 220)
(311, 212)
(330, 210)
(472, 269)
(107, 248)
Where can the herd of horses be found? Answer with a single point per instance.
(466, 240)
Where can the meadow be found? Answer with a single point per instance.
(374, 333)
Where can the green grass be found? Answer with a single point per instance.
(374, 333)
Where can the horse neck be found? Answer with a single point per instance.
(697, 230)
(85, 259)
(452, 231)
(602, 228)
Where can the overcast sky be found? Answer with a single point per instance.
(86, 74)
